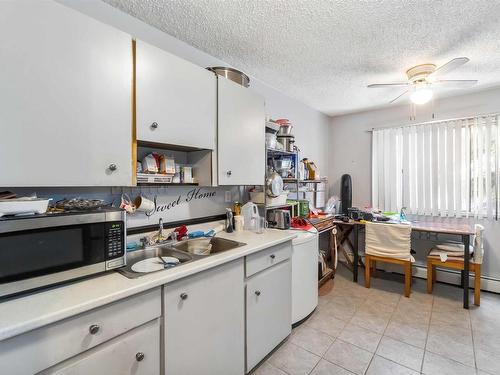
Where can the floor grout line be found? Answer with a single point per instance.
(383, 333)
(427, 336)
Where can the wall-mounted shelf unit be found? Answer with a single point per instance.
(282, 152)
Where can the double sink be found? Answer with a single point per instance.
(185, 251)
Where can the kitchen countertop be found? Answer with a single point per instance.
(38, 309)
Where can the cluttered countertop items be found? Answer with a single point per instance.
(34, 310)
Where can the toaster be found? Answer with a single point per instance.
(279, 219)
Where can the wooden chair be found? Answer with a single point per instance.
(433, 262)
(457, 263)
(390, 243)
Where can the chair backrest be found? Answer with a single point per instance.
(388, 240)
(478, 244)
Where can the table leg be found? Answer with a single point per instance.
(355, 251)
(465, 240)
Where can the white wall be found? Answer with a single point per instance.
(350, 151)
(310, 126)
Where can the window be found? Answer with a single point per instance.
(446, 168)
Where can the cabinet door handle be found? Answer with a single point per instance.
(257, 293)
(272, 256)
(93, 329)
(140, 356)
(229, 173)
(184, 296)
(154, 125)
(113, 167)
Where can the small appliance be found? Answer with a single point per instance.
(47, 249)
(279, 219)
(356, 214)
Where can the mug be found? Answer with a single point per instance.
(144, 204)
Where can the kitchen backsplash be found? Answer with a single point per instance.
(171, 203)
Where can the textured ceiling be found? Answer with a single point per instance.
(324, 53)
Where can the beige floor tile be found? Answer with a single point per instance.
(400, 352)
(323, 300)
(361, 337)
(459, 317)
(488, 341)
(325, 322)
(384, 297)
(340, 310)
(437, 365)
(374, 317)
(349, 356)
(488, 362)
(351, 299)
(382, 366)
(327, 368)
(412, 314)
(378, 307)
(294, 360)
(447, 303)
(268, 369)
(412, 333)
(451, 342)
(417, 300)
(312, 340)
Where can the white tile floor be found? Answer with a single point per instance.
(377, 331)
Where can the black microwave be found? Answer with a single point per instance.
(42, 250)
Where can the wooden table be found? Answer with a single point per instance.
(457, 229)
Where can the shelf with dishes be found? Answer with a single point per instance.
(171, 165)
(277, 151)
(294, 180)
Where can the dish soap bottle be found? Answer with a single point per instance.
(229, 221)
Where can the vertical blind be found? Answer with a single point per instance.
(446, 168)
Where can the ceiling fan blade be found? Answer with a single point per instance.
(448, 67)
(382, 85)
(399, 96)
(456, 82)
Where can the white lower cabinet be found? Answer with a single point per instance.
(269, 301)
(204, 322)
(135, 353)
(47, 346)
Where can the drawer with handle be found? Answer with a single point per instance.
(135, 353)
(266, 258)
(41, 348)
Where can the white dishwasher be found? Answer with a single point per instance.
(305, 249)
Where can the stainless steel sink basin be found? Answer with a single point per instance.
(186, 251)
(137, 256)
(206, 246)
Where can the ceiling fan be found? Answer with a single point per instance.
(422, 79)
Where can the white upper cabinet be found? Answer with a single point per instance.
(65, 98)
(176, 100)
(241, 135)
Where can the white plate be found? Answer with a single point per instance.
(153, 264)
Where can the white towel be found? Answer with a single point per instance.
(388, 240)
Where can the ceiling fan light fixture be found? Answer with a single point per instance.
(421, 95)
